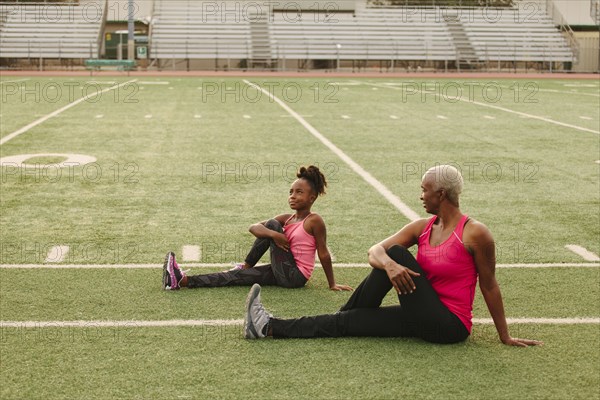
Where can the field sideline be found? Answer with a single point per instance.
(187, 163)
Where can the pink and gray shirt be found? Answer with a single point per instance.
(302, 245)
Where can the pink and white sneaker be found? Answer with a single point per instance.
(237, 267)
(172, 274)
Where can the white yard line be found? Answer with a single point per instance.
(240, 322)
(380, 187)
(551, 121)
(57, 112)
(158, 265)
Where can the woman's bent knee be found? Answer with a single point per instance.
(398, 253)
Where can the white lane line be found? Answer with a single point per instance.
(380, 187)
(57, 254)
(541, 321)
(522, 114)
(190, 253)
(121, 324)
(17, 81)
(197, 116)
(228, 265)
(153, 83)
(343, 84)
(583, 252)
(149, 116)
(99, 116)
(100, 83)
(239, 322)
(442, 117)
(553, 91)
(57, 112)
(489, 117)
(585, 118)
(393, 117)
(345, 117)
(246, 116)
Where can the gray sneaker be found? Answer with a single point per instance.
(256, 316)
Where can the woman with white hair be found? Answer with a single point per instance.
(436, 289)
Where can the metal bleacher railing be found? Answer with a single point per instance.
(441, 3)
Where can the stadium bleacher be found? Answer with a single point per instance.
(52, 30)
(184, 30)
(437, 34)
(193, 30)
(508, 36)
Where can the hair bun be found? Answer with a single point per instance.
(315, 177)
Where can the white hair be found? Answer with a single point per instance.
(448, 178)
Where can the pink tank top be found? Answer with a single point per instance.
(303, 246)
(451, 271)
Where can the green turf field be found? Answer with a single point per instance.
(194, 162)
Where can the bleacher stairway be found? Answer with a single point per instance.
(260, 39)
(466, 56)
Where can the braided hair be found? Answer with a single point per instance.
(314, 177)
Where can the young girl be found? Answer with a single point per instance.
(291, 238)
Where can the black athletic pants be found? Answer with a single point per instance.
(282, 271)
(420, 314)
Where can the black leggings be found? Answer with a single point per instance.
(281, 272)
(420, 314)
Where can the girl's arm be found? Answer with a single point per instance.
(260, 231)
(319, 231)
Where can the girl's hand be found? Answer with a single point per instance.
(281, 241)
(521, 342)
(339, 288)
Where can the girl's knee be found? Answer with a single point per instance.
(274, 225)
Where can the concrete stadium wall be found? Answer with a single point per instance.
(576, 12)
(588, 52)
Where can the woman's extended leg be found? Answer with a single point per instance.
(421, 314)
